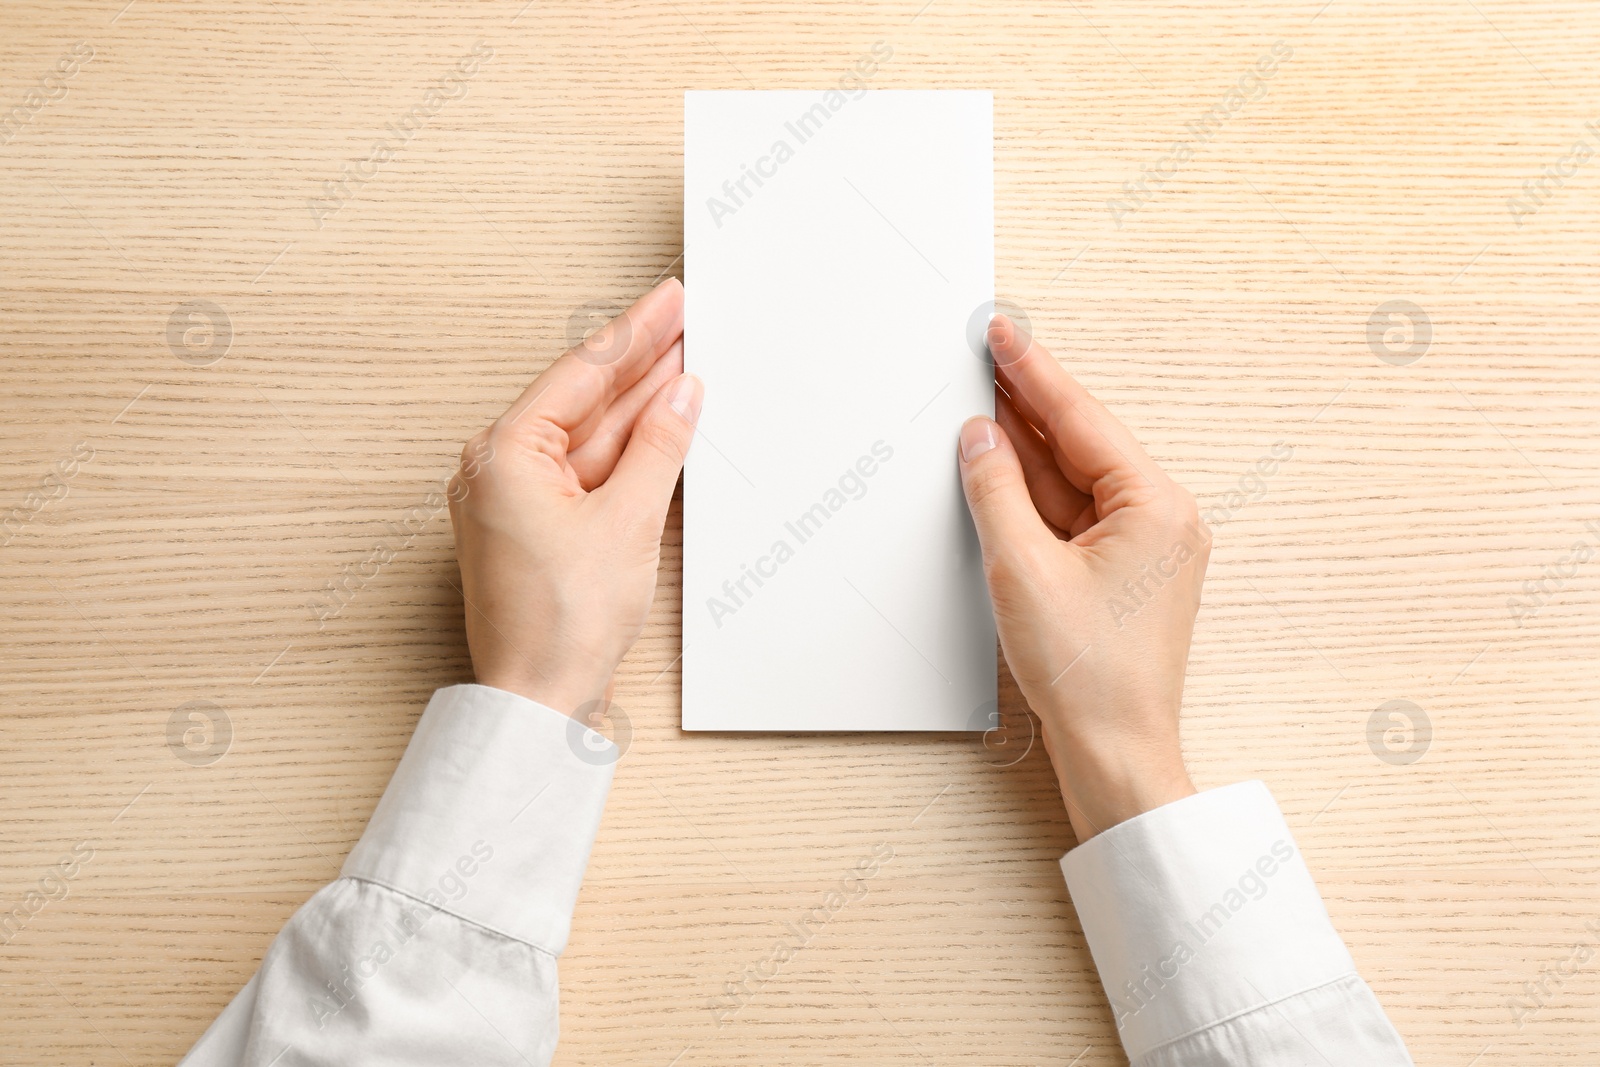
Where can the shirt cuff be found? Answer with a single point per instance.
(491, 813)
(1200, 911)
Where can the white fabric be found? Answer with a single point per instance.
(438, 943)
(1213, 944)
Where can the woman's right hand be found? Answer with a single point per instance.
(1095, 560)
(559, 506)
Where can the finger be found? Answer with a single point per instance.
(1087, 438)
(648, 468)
(597, 456)
(1024, 412)
(575, 389)
(1059, 502)
(997, 492)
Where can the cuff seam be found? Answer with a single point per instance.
(1252, 1009)
(453, 914)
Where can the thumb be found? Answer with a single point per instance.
(997, 493)
(648, 468)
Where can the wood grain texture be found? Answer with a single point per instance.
(1227, 313)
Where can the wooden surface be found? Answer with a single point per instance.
(1227, 313)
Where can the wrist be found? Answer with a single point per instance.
(569, 691)
(1102, 789)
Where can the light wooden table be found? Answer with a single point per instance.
(206, 504)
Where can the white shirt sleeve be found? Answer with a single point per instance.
(1213, 944)
(438, 943)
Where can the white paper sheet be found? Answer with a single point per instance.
(838, 250)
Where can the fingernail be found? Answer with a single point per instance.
(685, 398)
(997, 334)
(977, 437)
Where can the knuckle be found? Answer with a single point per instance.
(660, 436)
(1015, 571)
(476, 453)
(1185, 509)
(1188, 524)
(986, 482)
(1007, 565)
(468, 469)
(1176, 505)
(457, 490)
(474, 471)
(538, 434)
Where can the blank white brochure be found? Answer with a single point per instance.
(839, 272)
